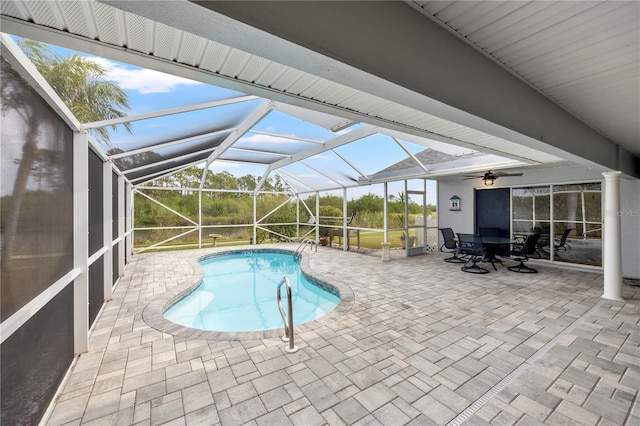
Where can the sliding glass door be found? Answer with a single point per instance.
(577, 216)
(567, 217)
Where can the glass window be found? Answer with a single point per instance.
(575, 233)
(577, 213)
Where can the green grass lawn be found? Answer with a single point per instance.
(368, 239)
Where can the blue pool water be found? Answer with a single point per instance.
(238, 293)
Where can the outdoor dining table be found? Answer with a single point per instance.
(492, 246)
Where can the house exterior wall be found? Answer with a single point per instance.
(463, 220)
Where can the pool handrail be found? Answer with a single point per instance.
(287, 319)
(303, 244)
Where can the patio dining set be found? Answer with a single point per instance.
(488, 246)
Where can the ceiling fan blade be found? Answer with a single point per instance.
(501, 174)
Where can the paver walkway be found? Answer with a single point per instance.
(422, 343)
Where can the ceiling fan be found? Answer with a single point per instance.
(489, 177)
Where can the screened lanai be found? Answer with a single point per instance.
(282, 109)
(311, 152)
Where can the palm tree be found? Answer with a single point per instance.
(82, 85)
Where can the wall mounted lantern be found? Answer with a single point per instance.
(454, 204)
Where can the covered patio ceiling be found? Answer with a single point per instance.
(350, 120)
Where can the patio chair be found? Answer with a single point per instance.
(450, 245)
(561, 244)
(521, 253)
(471, 245)
(542, 245)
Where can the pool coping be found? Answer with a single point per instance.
(152, 313)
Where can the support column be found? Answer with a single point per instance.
(255, 218)
(612, 256)
(298, 218)
(385, 212)
(386, 245)
(317, 216)
(128, 248)
(81, 242)
(107, 228)
(200, 218)
(121, 224)
(345, 231)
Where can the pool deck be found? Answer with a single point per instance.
(420, 343)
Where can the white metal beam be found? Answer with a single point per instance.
(19, 61)
(262, 180)
(121, 225)
(354, 135)
(81, 242)
(169, 160)
(257, 151)
(169, 111)
(128, 247)
(258, 114)
(282, 172)
(321, 173)
(172, 143)
(410, 154)
(165, 173)
(166, 207)
(342, 157)
(293, 138)
(272, 211)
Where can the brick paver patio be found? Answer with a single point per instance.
(420, 342)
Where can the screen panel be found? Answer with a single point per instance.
(34, 360)
(96, 197)
(36, 164)
(96, 288)
(114, 206)
(115, 255)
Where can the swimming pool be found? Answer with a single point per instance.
(238, 293)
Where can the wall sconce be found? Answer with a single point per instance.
(454, 204)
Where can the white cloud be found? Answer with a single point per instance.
(141, 80)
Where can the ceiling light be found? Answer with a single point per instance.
(488, 179)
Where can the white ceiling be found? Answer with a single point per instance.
(545, 53)
(583, 55)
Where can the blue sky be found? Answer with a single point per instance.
(149, 91)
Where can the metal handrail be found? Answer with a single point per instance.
(305, 242)
(287, 319)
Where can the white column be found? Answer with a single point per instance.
(107, 213)
(81, 242)
(385, 212)
(298, 218)
(386, 245)
(200, 218)
(345, 231)
(132, 234)
(612, 256)
(255, 218)
(317, 216)
(129, 222)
